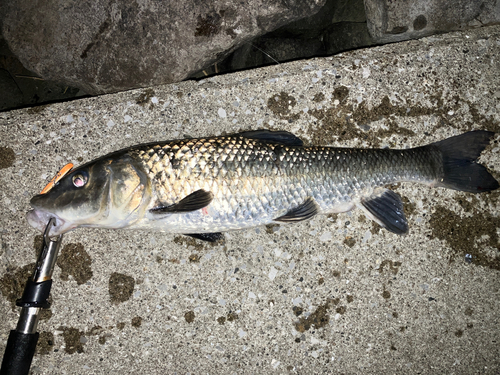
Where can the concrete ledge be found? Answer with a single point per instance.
(332, 295)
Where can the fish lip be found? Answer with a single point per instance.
(39, 219)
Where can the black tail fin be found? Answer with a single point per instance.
(461, 172)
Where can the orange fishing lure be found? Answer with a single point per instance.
(63, 172)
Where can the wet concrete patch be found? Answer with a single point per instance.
(136, 321)
(231, 317)
(120, 287)
(38, 109)
(12, 287)
(409, 207)
(99, 331)
(341, 310)
(319, 97)
(145, 97)
(297, 310)
(281, 105)
(73, 339)
(350, 121)
(468, 235)
(319, 318)
(272, 228)
(194, 258)
(7, 157)
(340, 93)
(13, 282)
(189, 316)
(102, 339)
(45, 344)
(389, 266)
(189, 241)
(349, 241)
(342, 118)
(75, 261)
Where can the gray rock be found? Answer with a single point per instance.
(104, 46)
(340, 25)
(20, 88)
(392, 21)
(10, 94)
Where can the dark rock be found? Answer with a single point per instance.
(20, 88)
(11, 94)
(104, 46)
(340, 25)
(392, 21)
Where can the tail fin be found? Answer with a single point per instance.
(461, 172)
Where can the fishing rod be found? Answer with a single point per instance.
(22, 341)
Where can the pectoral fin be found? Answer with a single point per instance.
(303, 211)
(385, 207)
(209, 237)
(194, 201)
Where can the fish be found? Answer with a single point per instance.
(203, 187)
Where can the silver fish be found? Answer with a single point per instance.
(201, 187)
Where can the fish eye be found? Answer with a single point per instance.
(80, 179)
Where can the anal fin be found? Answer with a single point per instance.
(194, 201)
(209, 237)
(304, 211)
(385, 207)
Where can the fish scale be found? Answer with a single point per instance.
(255, 182)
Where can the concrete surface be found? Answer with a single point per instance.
(332, 295)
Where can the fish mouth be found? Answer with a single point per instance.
(39, 219)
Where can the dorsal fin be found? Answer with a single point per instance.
(281, 137)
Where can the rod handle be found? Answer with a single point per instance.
(19, 353)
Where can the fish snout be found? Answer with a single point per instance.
(39, 219)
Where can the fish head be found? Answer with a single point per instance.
(111, 192)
